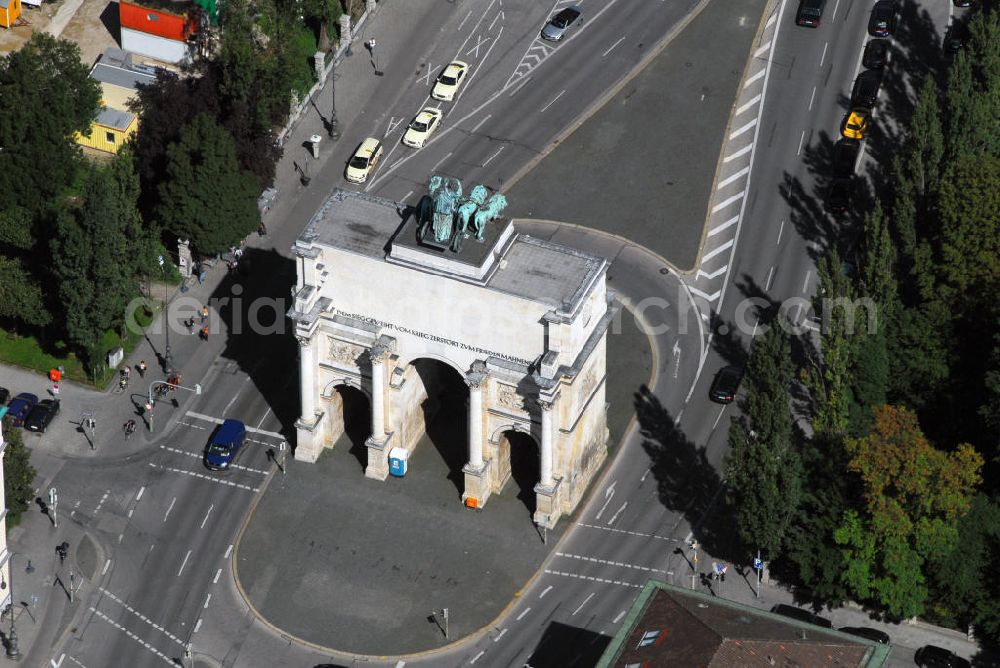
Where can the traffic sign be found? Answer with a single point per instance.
(758, 564)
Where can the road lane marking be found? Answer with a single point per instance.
(107, 564)
(252, 430)
(617, 513)
(718, 417)
(749, 126)
(811, 98)
(754, 100)
(101, 502)
(500, 635)
(553, 100)
(762, 50)
(716, 251)
(139, 495)
(606, 562)
(726, 202)
(590, 596)
(141, 616)
(523, 613)
(734, 177)
(134, 637)
(594, 579)
(836, 6)
(756, 324)
(55, 664)
(823, 57)
(801, 139)
(780, 230)
(805, 283)
(209, 512)
(478, 656)
(438, 163)
(710, 276)
(228, 552)
(707, 297)
(743, 151)
(625, 531)
(197, 625)
(184, 563)
(618, 617)
(611, 48)
(169, 509)
(207, 599)
(490, 159)
(215, 580)
(198, 455)
(771, 20)
(195, 474)
(464, 20)
(770, 275)
(474, 50)
(756, 76)
(400, 664)
(407, 195)
(477, 126)
(390, 126)
(607, 500)
(547, 590)
(519, 87)
(499, 15)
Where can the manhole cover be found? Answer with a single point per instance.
(664, 270)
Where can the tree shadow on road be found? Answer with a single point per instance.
(686, 481)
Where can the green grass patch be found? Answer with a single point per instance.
(303, 47)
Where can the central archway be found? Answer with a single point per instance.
(444, 414)
(517, 452)
(349, 411)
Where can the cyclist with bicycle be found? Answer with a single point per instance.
(129, 428)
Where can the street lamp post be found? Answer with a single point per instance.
(150, 403)
(167, 357)
(334, 129)
(13, 652)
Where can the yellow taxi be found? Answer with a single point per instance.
(449, 80)
(855, 124)
(363, 161)
(422, 127)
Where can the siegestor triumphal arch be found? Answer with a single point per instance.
(524, 321)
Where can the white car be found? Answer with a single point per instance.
(363, 161)
(449, 80)
(420, 130)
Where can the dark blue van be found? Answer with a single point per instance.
(225, 443)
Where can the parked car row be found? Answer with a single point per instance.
(857, 122)
(25, 410)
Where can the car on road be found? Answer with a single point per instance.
(363, 161)
(855, 124)
(422, 126)
(726, 384)
(20, 406)
(864, 95)
(559, 24)
(882, 22)
(41, 415)
(956, 38)
(838, 197)
(449, 80)
(802, 615)
(931, 656)
(867, 633)
(966, 3)
(810, 12)
(845, 157)
(876, 54)
(225, 445)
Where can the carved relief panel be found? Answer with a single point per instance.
(343, 353)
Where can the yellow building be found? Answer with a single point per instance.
(120, 81)
(10, 12)
(110, 130)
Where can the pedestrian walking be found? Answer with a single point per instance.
(370, 45)
(204, 313)
(55, 390)
(189, 323)
(262, 230)
(204, 333)
(142, 368)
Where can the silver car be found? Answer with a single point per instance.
(557, 26)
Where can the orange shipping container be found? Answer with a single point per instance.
(156, 22)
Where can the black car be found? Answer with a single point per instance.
(725, 385)
(956, 38)
(930, 656)
(20, 406)
(876, 55)
(810, 12)
(41, 415)
(883, 19)
(802, 615)
(867, 633)
(838, 197)
(845, 157)
(866, 87)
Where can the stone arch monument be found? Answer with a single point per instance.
(522, 320)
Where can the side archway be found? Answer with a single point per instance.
(518, 456)
(349, 415)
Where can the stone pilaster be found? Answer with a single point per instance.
(378, 442)
(476, 472)
(309, 442)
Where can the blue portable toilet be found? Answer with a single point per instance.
(397, 461)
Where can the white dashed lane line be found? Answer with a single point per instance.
(630, 533)
(606, 562)
(195, 474)
(594, 579)
(141, 616)
(197, 455)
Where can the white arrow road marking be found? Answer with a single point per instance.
(393, 124)
(498, 17)
(608, 494)
(55, 664)
(677, 360)
(617, 513)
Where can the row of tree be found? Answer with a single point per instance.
(889, 494)
(77, 237)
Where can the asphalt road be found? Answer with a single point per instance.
(176, 528)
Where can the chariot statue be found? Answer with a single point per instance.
(444, 214)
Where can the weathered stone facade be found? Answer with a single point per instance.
(522, 320)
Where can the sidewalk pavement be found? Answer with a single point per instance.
(742, 588)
